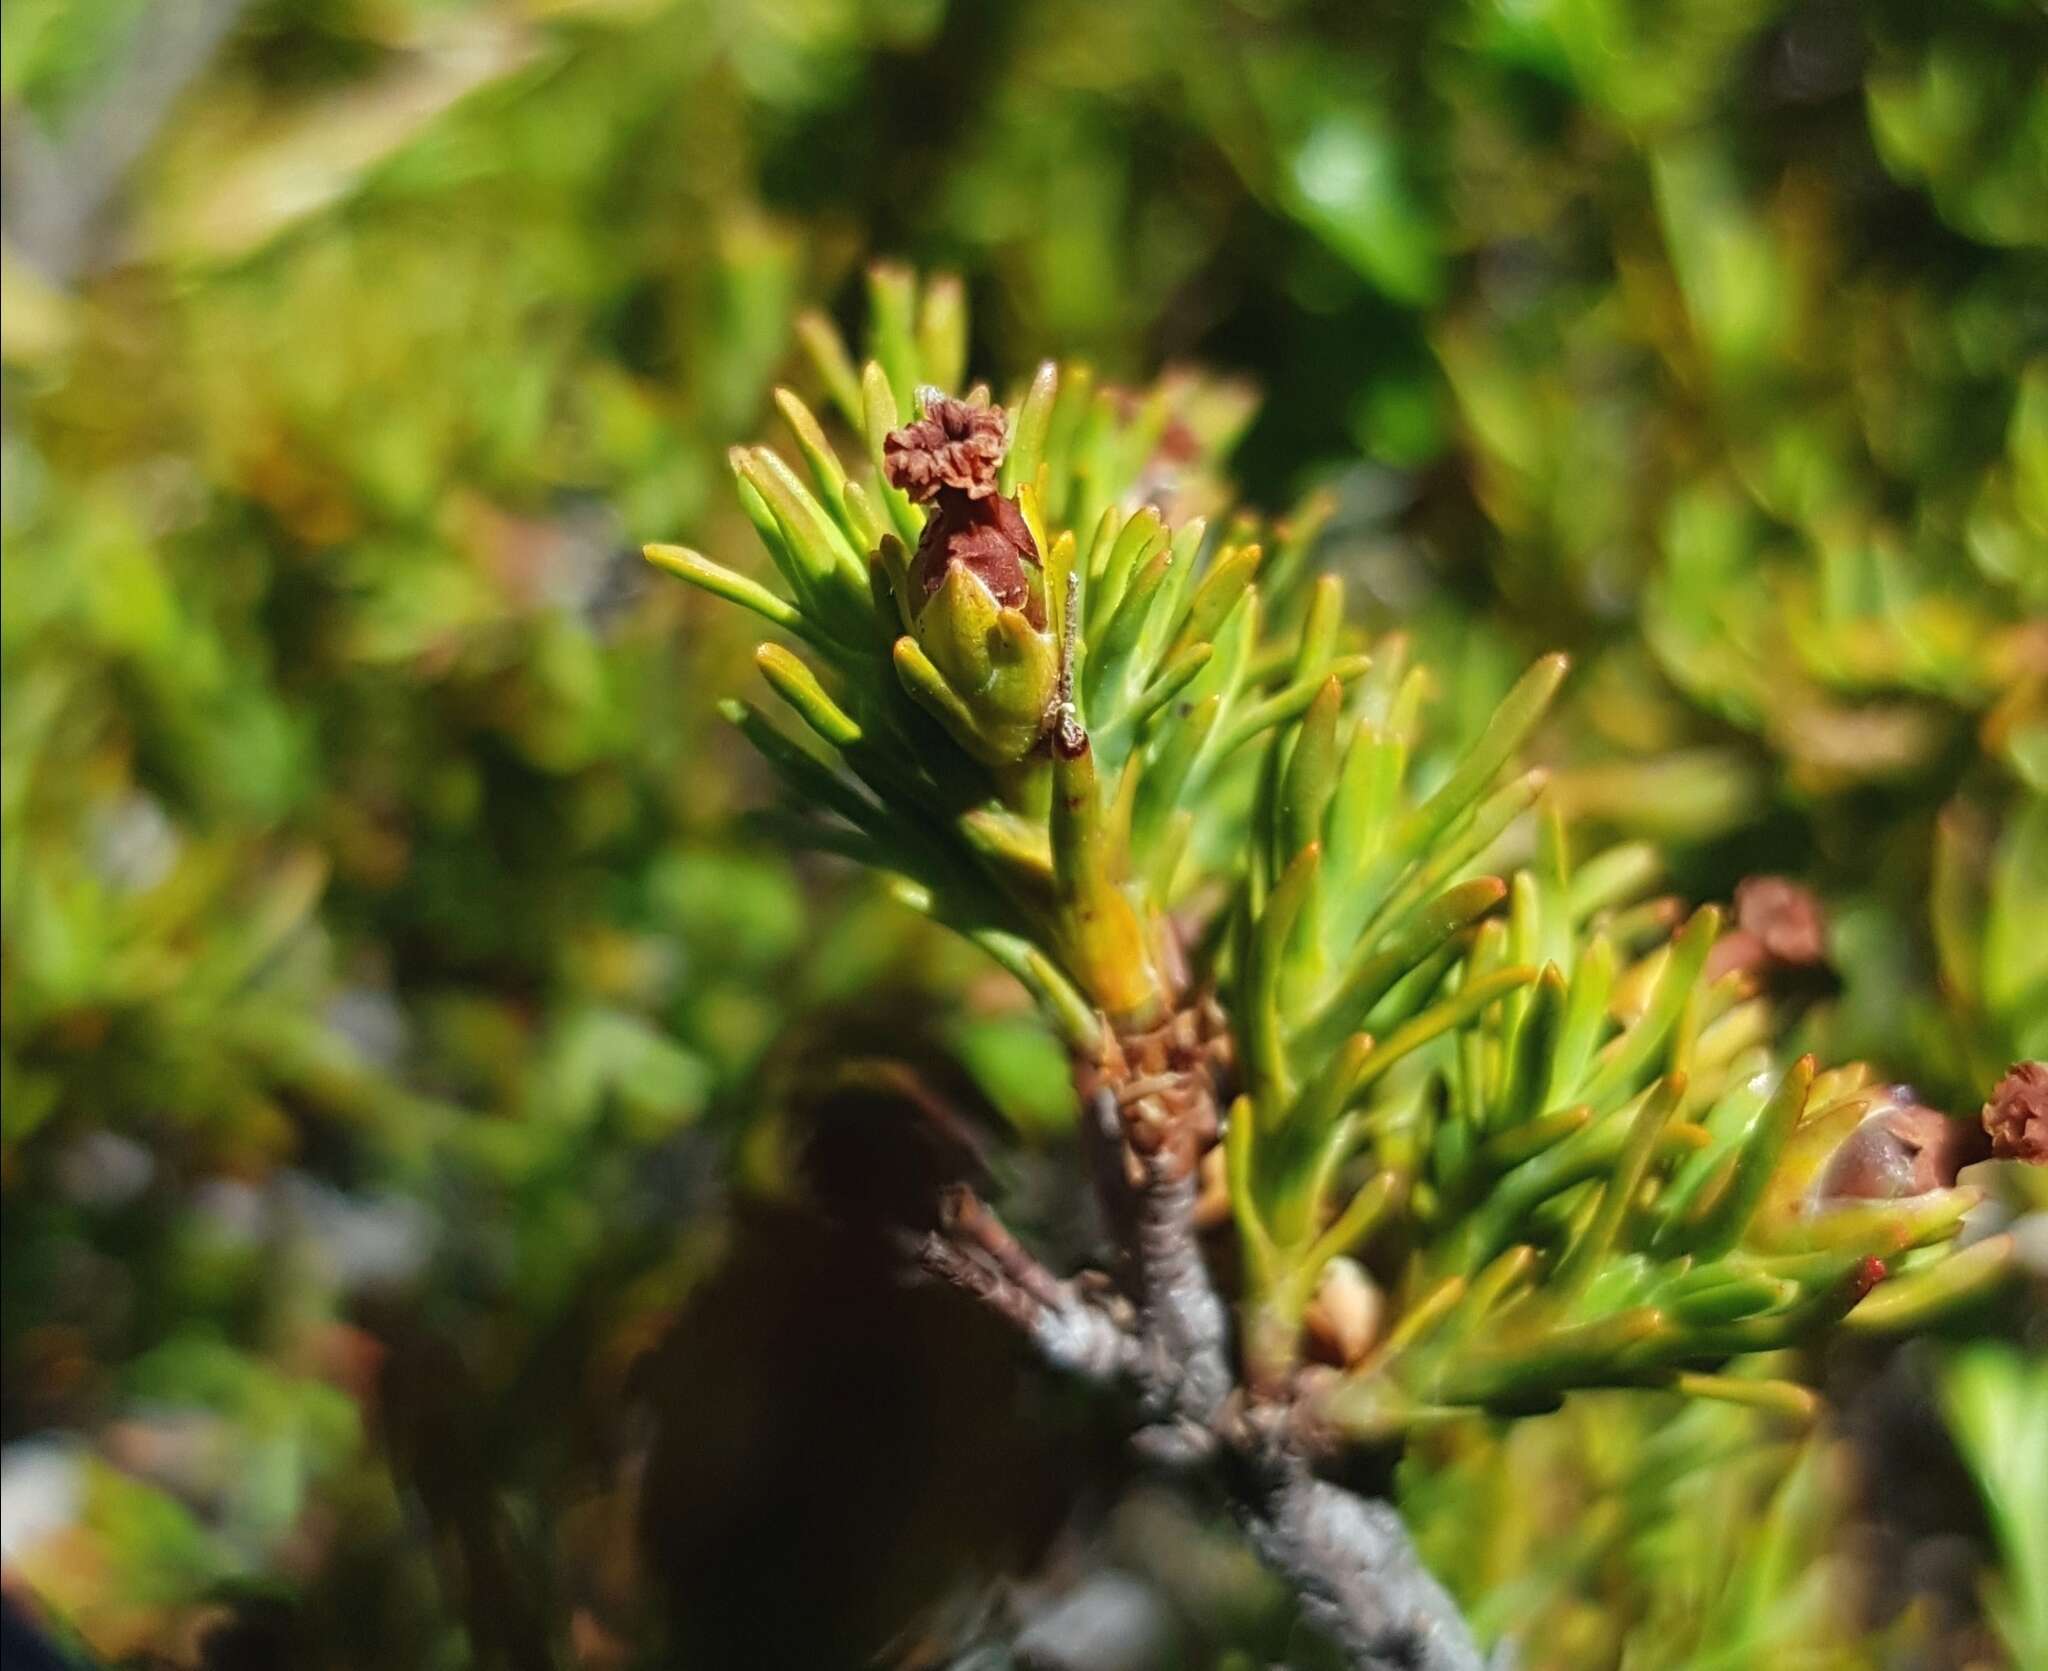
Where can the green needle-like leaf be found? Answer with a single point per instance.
(1030, 427)
(797, 685)
(734, 588)
(1627, 1057)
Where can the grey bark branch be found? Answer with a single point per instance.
(973, 1251)
(1183, 1326)
(1357, 1577)
(1348, 1559)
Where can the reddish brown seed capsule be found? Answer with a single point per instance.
(1904, 1149)
(1344, 1318)
(987, 537)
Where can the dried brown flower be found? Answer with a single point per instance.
(2017, 1114)
(954, 445)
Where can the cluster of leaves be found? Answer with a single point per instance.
(946, 694)
(369, 923)
(1578, 1144)
(1603, 1178)
(1757, 274)
(1603, 1534)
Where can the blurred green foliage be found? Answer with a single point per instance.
(375, 920)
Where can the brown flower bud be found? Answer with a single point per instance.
(1779, 927)
(1904, 1148)
(1785, 917)
(954, 445)
(2016, 1117)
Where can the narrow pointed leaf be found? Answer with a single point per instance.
(797, 685)
(827, 351)
(1029, 426)
(722, 582)
(1630, 1055)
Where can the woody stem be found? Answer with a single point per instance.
(1348, 1559)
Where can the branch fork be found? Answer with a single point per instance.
(1079, 1326)
(1161, 1327)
